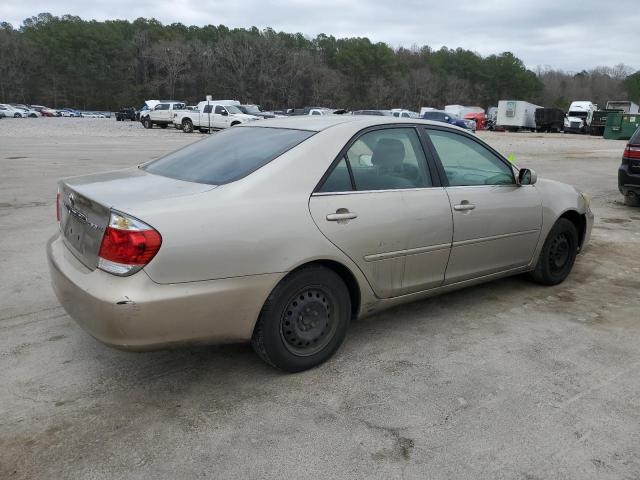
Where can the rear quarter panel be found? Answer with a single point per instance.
(259, 224)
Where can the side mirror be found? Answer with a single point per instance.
(224, 113)
(527, 177)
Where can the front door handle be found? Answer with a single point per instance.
(464, 206)
(341, 215)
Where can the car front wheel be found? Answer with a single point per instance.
(146, 123)
(558, 254)
(304, 320)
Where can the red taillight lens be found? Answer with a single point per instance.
(632, 151)
(127, 245)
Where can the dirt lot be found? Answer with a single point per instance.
(505, 380)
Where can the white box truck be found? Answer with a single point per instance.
(514, 115)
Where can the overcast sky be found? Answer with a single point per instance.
(567, 34)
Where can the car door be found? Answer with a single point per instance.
(380, 206)
(221, 117)
(496, 222)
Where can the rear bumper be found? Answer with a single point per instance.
(628, 182)
(135, 313)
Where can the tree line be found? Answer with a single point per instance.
(86, 64)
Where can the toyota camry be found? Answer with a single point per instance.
(281, 232)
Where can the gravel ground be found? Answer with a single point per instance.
(505, 380)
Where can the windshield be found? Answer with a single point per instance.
(251, 109)
(227, 156)
(232, 109)
(578, 114)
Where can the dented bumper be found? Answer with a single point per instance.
(135, 313)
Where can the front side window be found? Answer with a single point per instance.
(466, 162)
(219, 109)
(386, 159)
(227, 156)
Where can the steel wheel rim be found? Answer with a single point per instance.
(308, 321)
(559, 253)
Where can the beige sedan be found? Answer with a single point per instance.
(282, 231)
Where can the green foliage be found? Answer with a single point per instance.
(67, 61)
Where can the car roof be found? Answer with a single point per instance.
(318, 123)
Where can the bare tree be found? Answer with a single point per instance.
(171, 59)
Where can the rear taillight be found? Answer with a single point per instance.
(632, 151)
(127, 245)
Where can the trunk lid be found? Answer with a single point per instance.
(86, 203)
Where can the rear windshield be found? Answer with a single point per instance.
(227, 156)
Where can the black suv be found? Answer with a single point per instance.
(629, 172)
(126, 113)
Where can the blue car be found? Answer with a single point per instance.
(445, 117)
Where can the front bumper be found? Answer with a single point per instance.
(135, 313)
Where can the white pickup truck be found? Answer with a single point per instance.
(159, 112)
(211, 115)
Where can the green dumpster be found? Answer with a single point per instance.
(621, 126)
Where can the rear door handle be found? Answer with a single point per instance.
(464, 206)
(341, 215)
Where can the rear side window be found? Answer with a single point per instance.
(227, 156)
(635, 139)
(385, 159)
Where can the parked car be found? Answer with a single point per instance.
(402, 113)
(45, 111)
(126, 113)
(30, 112)
(69, 112)
(281, 232)
(211, 115)
(255, 111)
(92, 115)
(11, 111)
(161, 114)
(629, 172)
(444, 117)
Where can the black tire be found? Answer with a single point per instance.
(632, 200)
(558, 254)
(187, 126)
(304, 320)
(147, 123)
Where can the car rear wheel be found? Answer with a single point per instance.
(146, 123)
(558, 254)
(304, 320)
(187, 126)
